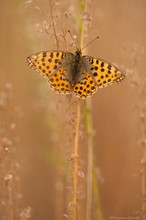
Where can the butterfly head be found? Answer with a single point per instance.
(78, 55)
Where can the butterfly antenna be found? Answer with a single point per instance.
(73, 39)
(90, 43)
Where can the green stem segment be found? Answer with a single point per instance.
(75, 161)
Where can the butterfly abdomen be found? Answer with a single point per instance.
(76, 68)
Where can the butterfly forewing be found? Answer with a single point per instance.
(50, 64)
(105, 74)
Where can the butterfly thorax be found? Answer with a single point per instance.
(78, 55)
(76, 67)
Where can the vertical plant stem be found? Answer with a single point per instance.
(80, 25)
(75, 162)
(9, 190)
(88, 110)
(90, 157)
(10, 202)
(143, 167)
(53, 25)
(92, 185)
(144, 185)
(71, 120)
(140, 91)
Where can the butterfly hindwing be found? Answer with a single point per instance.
(59, 83)
(85, 87)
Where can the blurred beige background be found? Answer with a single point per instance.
(40, 114)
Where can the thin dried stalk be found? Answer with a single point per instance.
(140, 83)
(90, 157)
(10, 200)
(143, 168)
(53, 25)
(75, 162)
(80, 27)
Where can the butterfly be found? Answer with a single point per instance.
(67, 72)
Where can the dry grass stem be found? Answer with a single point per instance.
(10, 199)
(90, 156)
(143, 168)
(140, 84)
(75, 161)
(53, 25)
